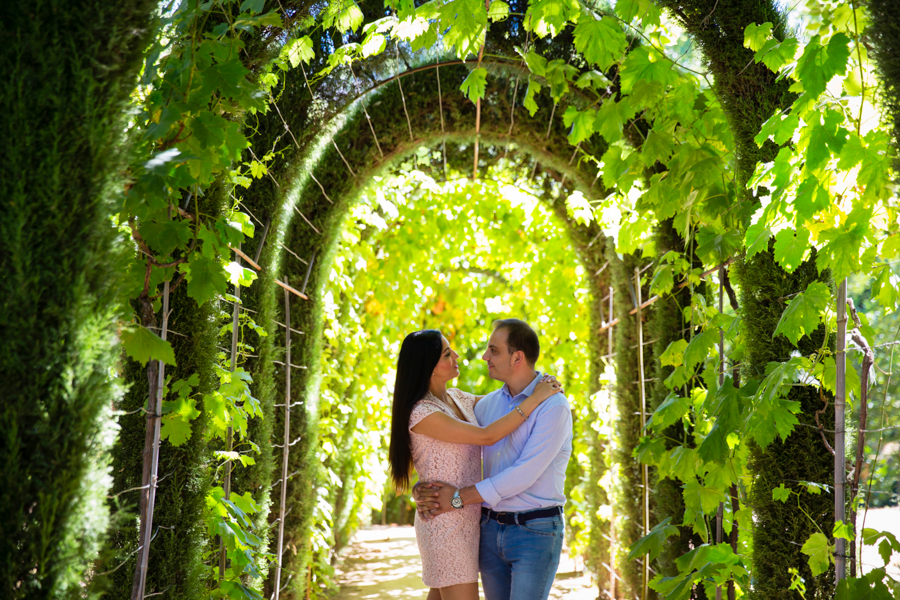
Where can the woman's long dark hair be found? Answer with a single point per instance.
(419, 355)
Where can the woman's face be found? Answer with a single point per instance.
(446, 368)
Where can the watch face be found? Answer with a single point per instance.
(456, 502)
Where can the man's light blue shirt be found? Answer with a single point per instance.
(526, 470)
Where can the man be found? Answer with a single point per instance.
(522, 493)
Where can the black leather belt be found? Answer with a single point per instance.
(520, 518)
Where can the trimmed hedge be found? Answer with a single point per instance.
(67, 69)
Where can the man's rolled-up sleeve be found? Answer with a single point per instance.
(550, 432)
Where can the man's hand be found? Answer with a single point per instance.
(426, 497)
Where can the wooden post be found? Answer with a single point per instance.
(229, 436)
(610, 331)
(151, 470)
(612, 517)
(840, 397)
(645, 472)
(720, 514)
(287, 437)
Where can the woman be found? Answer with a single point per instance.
(434, 429)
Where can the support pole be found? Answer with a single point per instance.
(149, 493)
(840, 398)
(720, 514)
(229, 436)
(645, 472)
(612, 518)
(287, 438)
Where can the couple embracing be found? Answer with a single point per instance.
(509, 523)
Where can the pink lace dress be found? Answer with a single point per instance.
(448, 544)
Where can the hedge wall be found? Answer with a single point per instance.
(67, 68)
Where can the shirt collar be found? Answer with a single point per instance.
(529, 389)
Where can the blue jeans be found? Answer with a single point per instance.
(518, 562)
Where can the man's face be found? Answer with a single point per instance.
(500, 362)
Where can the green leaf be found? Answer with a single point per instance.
(775, 54)
(818, 63)
(662, 283)
(228, 77)
(143, 345)
(549, 17)
(601, 42)
(802, 315)
(253, 6)
(645, 65)
(529, 102)
(714, 447)
(791, 248)
(175, 429)
(672, 409)
(652, 542)
(781, 493)
(474, 84)
(536, 63)
(700, 347)
(810, 199)
(657, 147)
(581, 123)
(701, 497)
(819, 552)
(612, 116)
(206, 278)
(826, 138)
(843, 530)
(498, 10)
(464, 23)
(757, 239)
(755, 36)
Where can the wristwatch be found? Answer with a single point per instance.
(456, 501)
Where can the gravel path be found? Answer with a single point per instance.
(382, 563)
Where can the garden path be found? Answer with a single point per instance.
(382, 563)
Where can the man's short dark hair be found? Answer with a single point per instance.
(520, 336)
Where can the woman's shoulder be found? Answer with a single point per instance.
(422, 409)
(462, 396)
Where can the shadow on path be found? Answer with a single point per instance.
(382, 563)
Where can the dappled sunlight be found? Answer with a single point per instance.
(383, 563)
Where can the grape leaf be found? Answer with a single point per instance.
(775, 54)
(819, 552)
(205, 278)
(662, 283)
(755, 36)
(791, 248)
(581, 123)
(143, 345)
(802, 315)
(714, 447)
(601, 42)
(175, 429)
(657, 147)
(498, 10)
(644, 65)
(652, 542)
(701, 497)
(818, 63)
(672, 409)
(757, 238)
(474, 84)
(549, 17)
(611, 116)
(811, 198)
(781, 493)
(700, 347)
(300, 50)
(528, 102)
